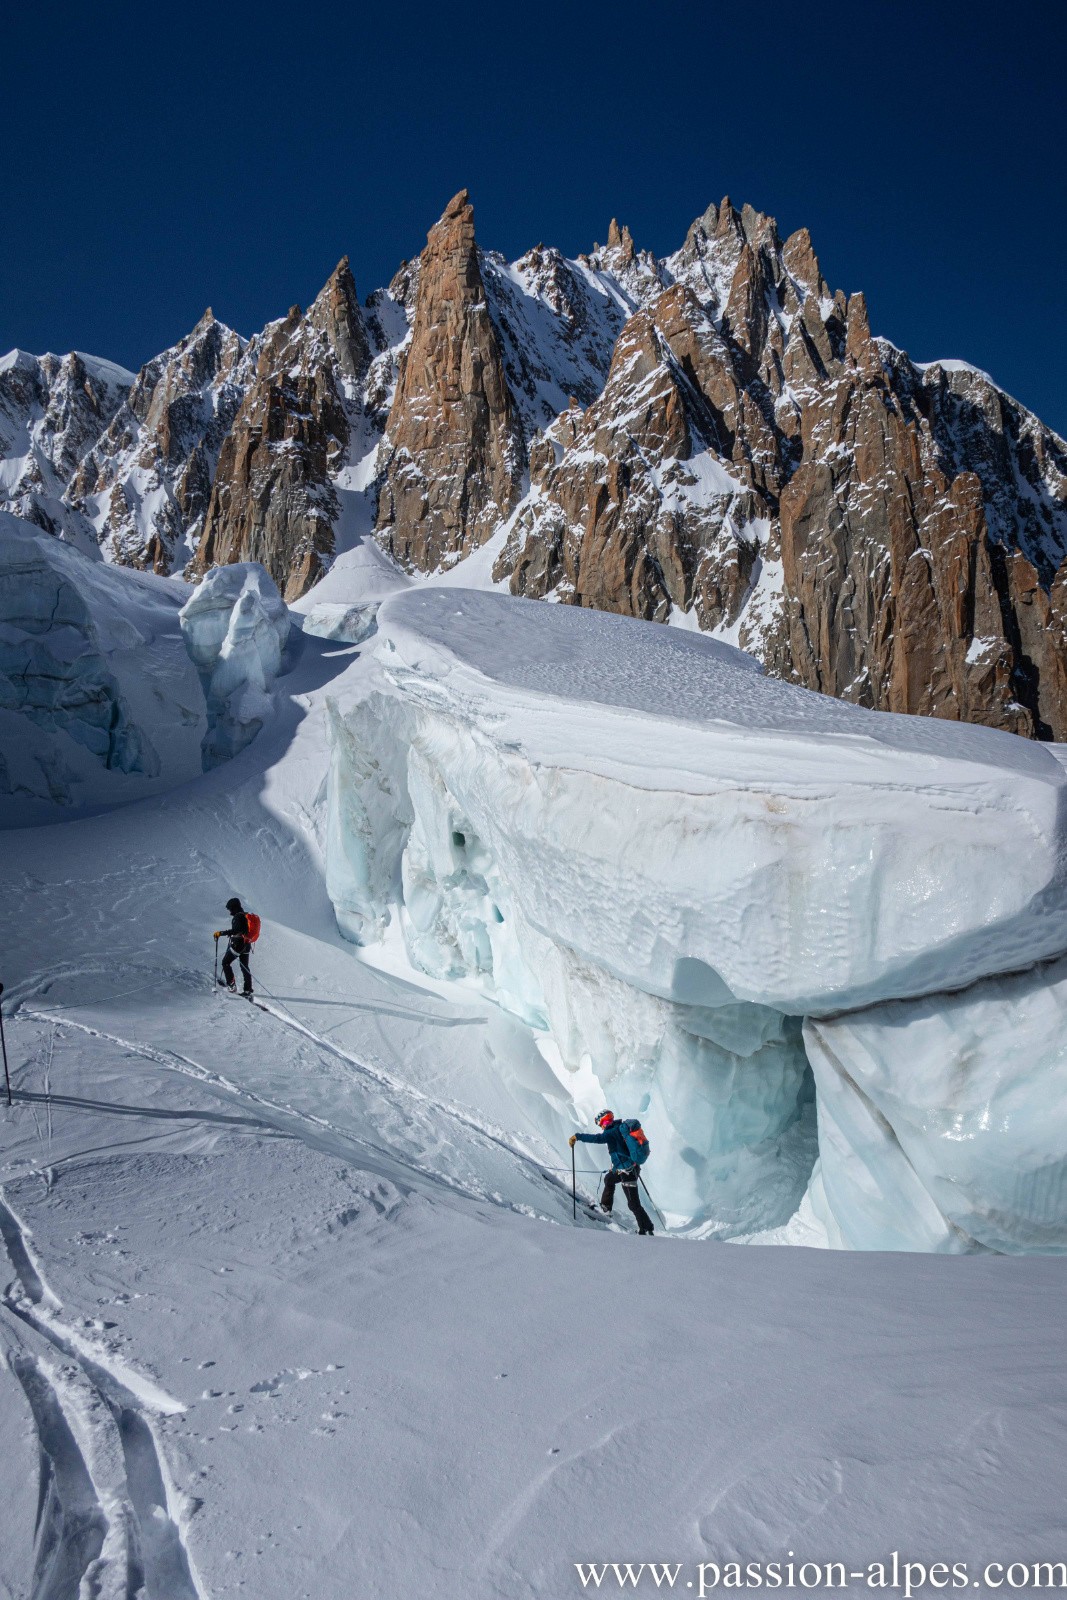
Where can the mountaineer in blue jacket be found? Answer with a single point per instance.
(627, 1147)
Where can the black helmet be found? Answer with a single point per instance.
(234, 904)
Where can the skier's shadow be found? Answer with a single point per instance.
(355, 1007)
(157, 1113)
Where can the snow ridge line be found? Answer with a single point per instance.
(108, 1521)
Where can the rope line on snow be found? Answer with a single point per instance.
(420, 1095)
(71, 1005)
(583, 1172)
(262, 987)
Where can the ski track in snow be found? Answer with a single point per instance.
(412, 1106)
(108, 1523)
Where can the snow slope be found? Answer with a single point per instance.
(296, 1306)
(293, 1301)
(385, 1388)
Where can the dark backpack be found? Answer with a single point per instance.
(636, 1141)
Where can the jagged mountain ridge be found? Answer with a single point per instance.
(714, 438)
(52, 410)
(145, 485)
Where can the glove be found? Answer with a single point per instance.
(573, 1140)
(217, 934)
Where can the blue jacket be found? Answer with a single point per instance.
(619, 1151)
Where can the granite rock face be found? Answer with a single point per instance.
(883, 532)
(273, 499)
(714, 438)
(618, 517)
(454, 453)
(146, 483)
(52, 410)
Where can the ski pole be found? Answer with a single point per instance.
(3, 1046)
(216, 960)
(651, 1202)
(574, 1187)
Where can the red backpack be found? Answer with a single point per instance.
(636, 1140)
(255, 926)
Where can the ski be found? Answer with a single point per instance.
(237, 994)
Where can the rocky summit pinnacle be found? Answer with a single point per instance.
(459, 207)
(715, 437)
(453, 452)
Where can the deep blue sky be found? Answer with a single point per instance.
(160, 158)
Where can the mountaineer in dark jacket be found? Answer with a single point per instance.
(239, 947)
(624, 1169)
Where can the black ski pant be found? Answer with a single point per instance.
(237, 952)
(629, 1180)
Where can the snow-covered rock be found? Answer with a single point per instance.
(284, 478)
(660, 860)
(235, 626)
(98, 701)
(145, 484)
(557, 321)
(348, 624)
(52, 409)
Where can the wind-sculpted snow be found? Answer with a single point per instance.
(662, 861)
(236, 626)
(98, 702)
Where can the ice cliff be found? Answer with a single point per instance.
(718, 899)
(236, 626)
(98, 701)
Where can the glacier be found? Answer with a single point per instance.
(701, 888)
(236, 627)
(943, 1121)
(99, 703)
